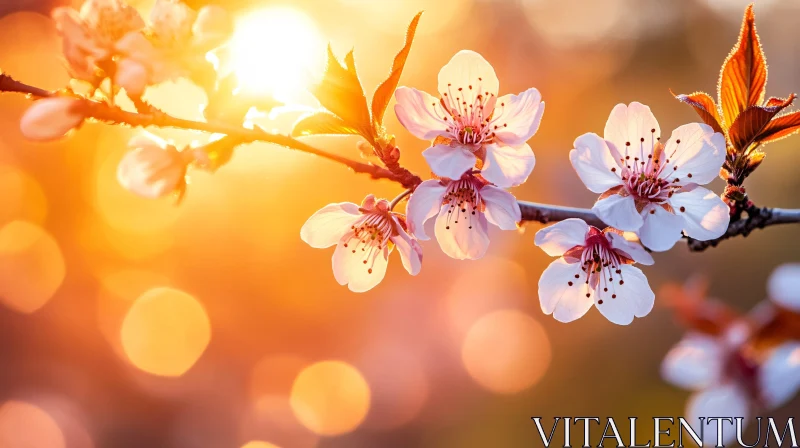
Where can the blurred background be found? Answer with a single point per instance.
(126, 322)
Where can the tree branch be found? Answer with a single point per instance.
(757, 218)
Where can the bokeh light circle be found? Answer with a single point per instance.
(24, 425)
(31, 266)
(506, 351)
(165, 332)
(330, 398)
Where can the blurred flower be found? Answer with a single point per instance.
(153, 168)
(103, 30)
(467, 126)
(741, 365)
(179, 41)
(784, 287)
(592, 263)
(461, 237)
(651, 188)
(51, 118)
(364, 237)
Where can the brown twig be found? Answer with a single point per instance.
(544, 213)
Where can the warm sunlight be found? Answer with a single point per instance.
(275, 51)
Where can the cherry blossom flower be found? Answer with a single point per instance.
(99, 36)
(740, 366)
(51, 118)
(180, 39)
(153, 168)
(364, 237)
(470, 123)
(784, 287)
(652, 188)
(594, 267)
(463, 209)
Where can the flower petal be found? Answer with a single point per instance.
(507, 166)
(349, 267)
(784, 286)
(695, 153)
(695, 363)
(517, 117)
(423, 205)
(632, 250)
(132, 76)
(562, 236)
(410, 252)
(212, 27)
(705, 215)
(449, 161)
(594, 162)
(51, 118)
(471, 73)
(633, 130)
(462, 237)
(779, 376)
(725, 401)
(415, 110)
(502, 208)
(152, 171)
(619, 212)
(561, 294)
(327, 226)
(634, 298)
(661, 229)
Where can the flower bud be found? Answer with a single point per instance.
(152, 169)
(51, 118)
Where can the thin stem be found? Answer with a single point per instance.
(399, 198)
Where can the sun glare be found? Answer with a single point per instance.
(275, 51)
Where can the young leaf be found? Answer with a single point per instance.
(319, 123)
(704, 105)
(780, 127)
(743, 78)
(380, 100)
(750, 123)
(341, 93)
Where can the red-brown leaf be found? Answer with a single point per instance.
(384, 92)
(780, 127)
(704, 105)
(744, 74)
(751, 123)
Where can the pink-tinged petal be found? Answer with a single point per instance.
(594, 162)
(507, 166)
(562, 236)
(633, 130)
(349, 268)
(517, 117)
(632, 250)
(135, 45)
(784, 286)
(449, 161)
(171, 21)
(152, 171)
(410, 252)
(696, 151)
(327, 226)
(634, 298)
(51, 118)
(423, 205)
(132, 76)
(705, 215)
(661, 229)
(695, 363)
(502, 208)
(723, 401)
(779, 376)
(561, 294)
(415, 110)
(472, 74)
(460, 237)
(212, 27)
(619, 212)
